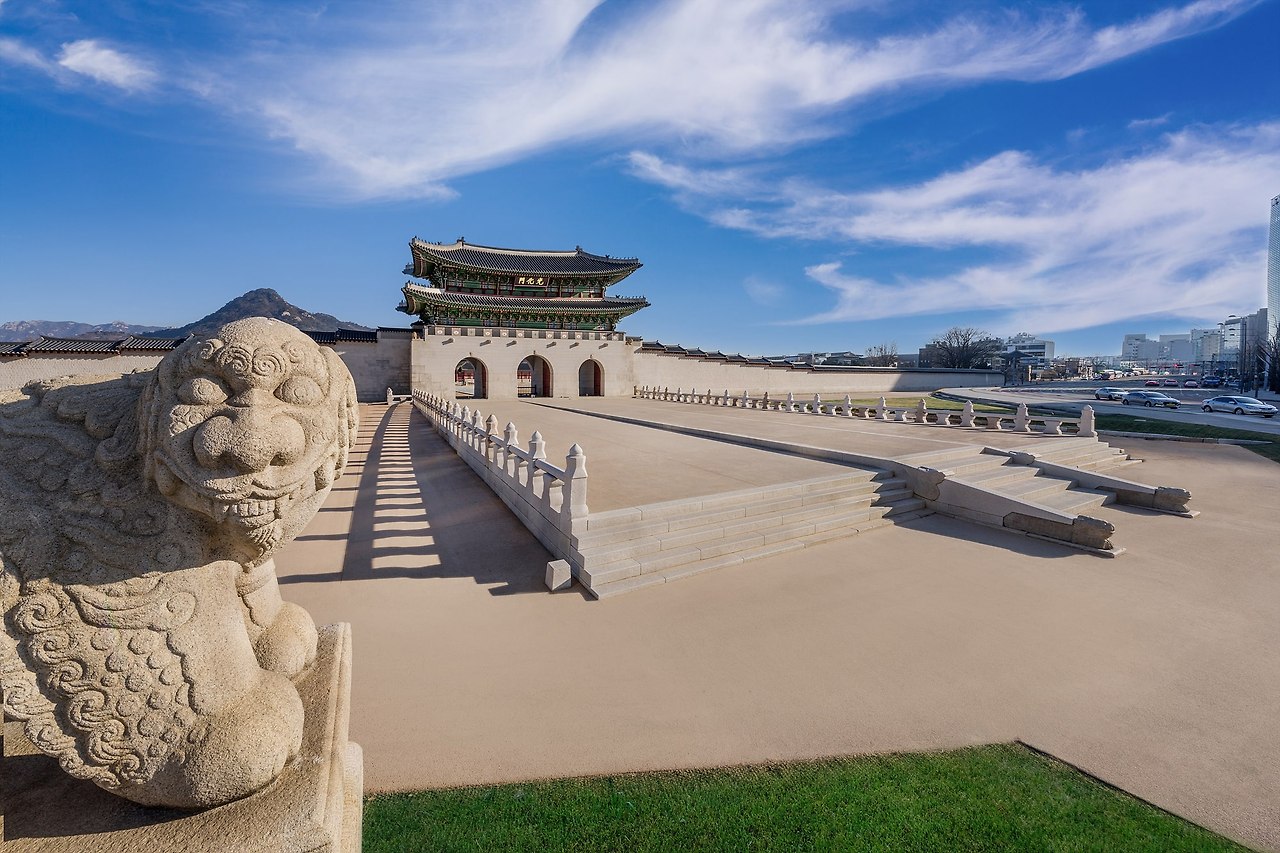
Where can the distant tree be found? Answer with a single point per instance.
(965, 347)
(1269, 356)
(882, 355)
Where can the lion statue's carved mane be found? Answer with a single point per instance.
(146, 645)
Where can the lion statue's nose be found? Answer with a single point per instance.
(249, 440)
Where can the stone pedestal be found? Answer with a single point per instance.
(315, 806)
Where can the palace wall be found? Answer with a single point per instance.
(401, 361)
(377, 366)
(18, 371)
(661, 370)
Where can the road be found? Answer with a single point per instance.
(1075, 395)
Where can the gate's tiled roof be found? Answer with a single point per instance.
(516, 261)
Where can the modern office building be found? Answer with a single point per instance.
(1273, 268)
(1039, 349)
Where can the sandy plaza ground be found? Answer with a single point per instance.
(1157, 671)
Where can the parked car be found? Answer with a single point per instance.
(1191, 383)
(1239, 406)
(1149, 399)
(1152, 383)
(1109, 393)
(1173, 383)
(1212, 381)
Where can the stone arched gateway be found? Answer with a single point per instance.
(591, 379)
(471, 379)
(534, 377)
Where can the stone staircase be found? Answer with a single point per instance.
(999, 474)
(637, 547)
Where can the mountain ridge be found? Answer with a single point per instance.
(262, 302)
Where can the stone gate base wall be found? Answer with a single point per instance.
(676, 371)
(441, 348)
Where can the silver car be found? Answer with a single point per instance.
(1149, 399)
(1109, 394)
(1239, 406)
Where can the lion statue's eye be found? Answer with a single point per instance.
(202, 391)
(300, 391)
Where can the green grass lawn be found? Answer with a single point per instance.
(1132, 423)
(1003, 797)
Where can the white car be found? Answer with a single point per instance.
(1239, 406)
(1109, 394)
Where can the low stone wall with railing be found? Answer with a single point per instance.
(549, 500)
(1021, 421)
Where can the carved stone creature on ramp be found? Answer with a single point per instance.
(146, 645)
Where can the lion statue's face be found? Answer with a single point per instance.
(249, 427)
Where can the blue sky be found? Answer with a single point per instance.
(795, 175)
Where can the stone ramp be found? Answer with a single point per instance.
(627, 549)
(999, 473)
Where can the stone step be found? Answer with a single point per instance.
(978, 462)
(753, 504)
(940, 458)
(996, 478)
(766, 525)
(683, 506)
(1076, 500)
(1035, 488)
(605, 586)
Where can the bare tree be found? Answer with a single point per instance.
(965, 347)
(883, 355)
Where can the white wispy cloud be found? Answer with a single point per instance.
(1177, 230)
(762, 291)
(77, 60)
(1144, 123)
(397, 105)
(97, 61)
(14, 52)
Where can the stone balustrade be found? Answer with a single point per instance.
(1021, 421)
(549, 500)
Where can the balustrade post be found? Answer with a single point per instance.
(574, 494)
(882, 410)
(817, 404)
(490, 440)
(922, 411)
(537, 451)
(848, 406)
(1022, 419)
(510, 441)
(966, 414)
(1087, 428)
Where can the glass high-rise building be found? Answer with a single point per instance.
(1273, 269)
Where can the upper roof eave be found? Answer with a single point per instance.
(575, 263)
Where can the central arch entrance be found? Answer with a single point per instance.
(590, 379)
(533, 377)
(470, 380)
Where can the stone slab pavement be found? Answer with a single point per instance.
(633, 465)
(1156, 671)
(889, 439)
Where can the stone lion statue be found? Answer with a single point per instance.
(146, 645)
